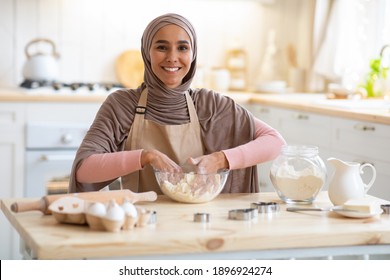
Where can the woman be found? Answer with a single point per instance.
(164, 124)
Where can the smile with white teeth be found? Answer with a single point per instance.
(171, 69)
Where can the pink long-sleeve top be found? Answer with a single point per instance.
(105, 166)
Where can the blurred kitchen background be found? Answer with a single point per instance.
(300, 45)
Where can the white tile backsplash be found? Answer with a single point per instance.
(91, 34)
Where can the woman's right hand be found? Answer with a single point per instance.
(159, 161)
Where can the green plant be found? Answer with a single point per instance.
(377, 73)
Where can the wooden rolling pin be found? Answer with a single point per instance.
(103, 196)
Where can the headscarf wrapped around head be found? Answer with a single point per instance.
(153, 83)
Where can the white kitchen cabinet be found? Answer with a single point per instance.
(267, 115)
(343, 138)
(11, 171)
(14, 117)
(361, 138)
(59, 112)
(303, 128)
(381, 187)
(365, 142)
(297, 128)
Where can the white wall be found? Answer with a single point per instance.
(90, 34)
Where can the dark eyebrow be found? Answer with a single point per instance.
(161, 42)
(184, 42)
(166, 42)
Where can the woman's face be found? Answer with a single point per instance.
(171, 55)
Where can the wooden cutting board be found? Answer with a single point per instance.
(129, 68)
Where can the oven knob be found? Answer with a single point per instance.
(66, 138)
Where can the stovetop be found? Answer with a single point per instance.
(79, 88)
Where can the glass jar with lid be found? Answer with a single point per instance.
(236, 63)
(298, 174)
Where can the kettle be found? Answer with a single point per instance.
(40, 66)
(347, 182)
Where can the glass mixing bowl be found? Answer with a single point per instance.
(191, 187)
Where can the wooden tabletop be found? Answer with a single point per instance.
(176, 234)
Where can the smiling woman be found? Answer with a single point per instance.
(164, 124)
(172, 56)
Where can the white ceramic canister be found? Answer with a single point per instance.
(219, 79)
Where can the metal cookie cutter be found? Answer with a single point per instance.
(242, 214)
(201, 217)
(386, 208)
(153, 218)
(265, 207)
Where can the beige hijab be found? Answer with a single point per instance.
(163, 101)
(224, 124)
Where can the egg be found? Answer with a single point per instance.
(115, 212)
(97, 209)
(129, 209)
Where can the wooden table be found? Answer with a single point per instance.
(175, 235)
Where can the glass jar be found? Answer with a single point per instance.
(220, 79)
(298, 174)
(236, 63)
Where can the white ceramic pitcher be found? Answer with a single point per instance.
(347, 182)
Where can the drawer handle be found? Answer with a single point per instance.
(263, 110)
(263, 184)
(301, 117)
(363, 127)
(57, 158)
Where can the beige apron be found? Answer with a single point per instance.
(178, 142)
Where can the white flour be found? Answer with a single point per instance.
(193, 188)
(298, 185)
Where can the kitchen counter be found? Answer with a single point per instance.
(272, 235)
(371, 110)
(377, 111)
(24, 95)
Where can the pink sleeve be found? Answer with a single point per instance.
(265, 147)
(103, 167)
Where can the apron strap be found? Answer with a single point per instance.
(191, 109)
(138, 124)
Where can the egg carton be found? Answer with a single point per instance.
(109, 216)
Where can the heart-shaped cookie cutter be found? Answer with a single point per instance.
(153, 218)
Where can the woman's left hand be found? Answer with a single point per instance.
(210, 163)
